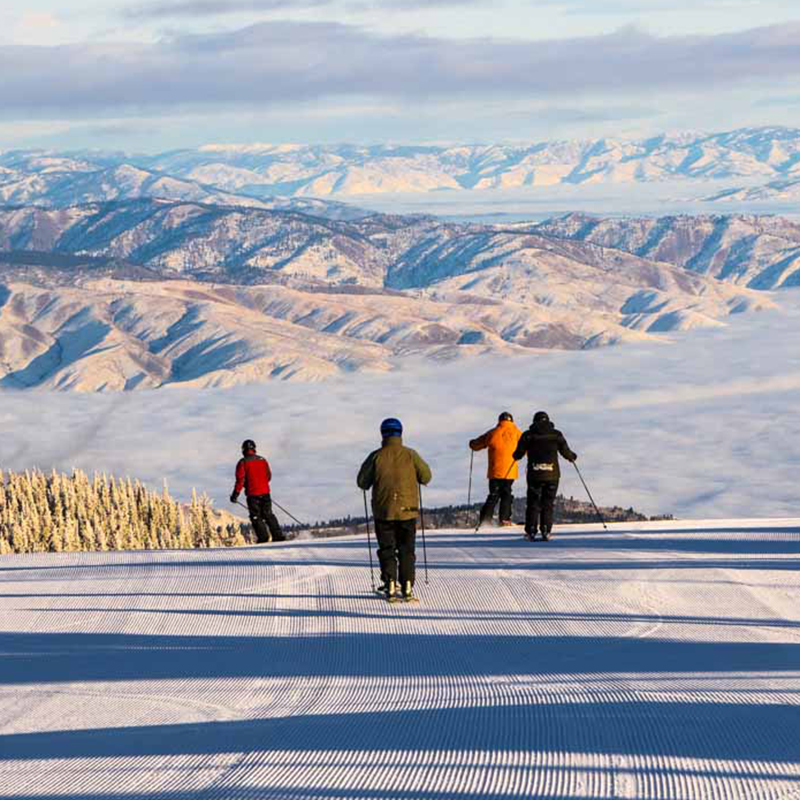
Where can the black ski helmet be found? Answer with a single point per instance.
(248, 444)
(540, 416)
(505, 417)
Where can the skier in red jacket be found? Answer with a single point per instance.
(253, 474)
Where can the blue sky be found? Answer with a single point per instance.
(154, 74)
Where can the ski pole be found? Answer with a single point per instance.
(291, 516)
(369, 543)
(469, 490)
(422, 526)
(597, 510)
(281, 508)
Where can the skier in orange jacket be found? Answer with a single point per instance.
(500, 441)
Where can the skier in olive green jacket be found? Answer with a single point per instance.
(394, 474)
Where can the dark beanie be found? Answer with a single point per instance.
(391, 427)
(540, 416)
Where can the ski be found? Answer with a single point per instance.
(396, 598)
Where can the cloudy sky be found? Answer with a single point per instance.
(154, 74)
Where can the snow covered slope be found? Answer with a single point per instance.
(658, 660)
(762, 252)
(58, 181)
(757, 156)
(82, 307)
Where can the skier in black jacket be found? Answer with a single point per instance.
(542, 443)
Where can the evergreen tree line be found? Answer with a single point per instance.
(568, 510)
(56, 512)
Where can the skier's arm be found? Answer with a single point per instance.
(481, 443)
(239, 481)
(563, 448)
(522, 448)
(269, 471)
(366, 475)
(424, 474)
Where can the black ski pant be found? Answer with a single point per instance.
(539, 510)
(396, 542)
(499, 489)
(264, 522)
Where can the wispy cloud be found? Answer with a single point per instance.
(621, 7)
(206, 8)
(158, 9)
(282, 62)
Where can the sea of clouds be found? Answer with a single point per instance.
(705, 425)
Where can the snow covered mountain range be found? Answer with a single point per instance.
(148, 293)
(761, 163)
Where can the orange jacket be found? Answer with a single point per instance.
(502, 442)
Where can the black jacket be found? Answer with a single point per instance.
(542, 443)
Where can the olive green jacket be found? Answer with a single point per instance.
(394, 473)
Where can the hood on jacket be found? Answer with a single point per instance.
(542, 426)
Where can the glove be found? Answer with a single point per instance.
(234, 497)
(574, 458)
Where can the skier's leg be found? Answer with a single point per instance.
(549, 492)
(533, 508)
(506, 500)
(256, 520)
(406, 543)
(271, 520)
(487, 510)
(387, 556)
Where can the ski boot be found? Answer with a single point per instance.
(507, 523)
(531, 537)
(408, 593)
(391, 591)
(546, 533)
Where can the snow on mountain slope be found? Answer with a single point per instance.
(32, 179)
(774, 190)
(324, 170)
(655, 660)
(760, 252)
(114, 335)
(121, 335)
(73, 186)
(332, 296)
(228, 173)
(195, 239)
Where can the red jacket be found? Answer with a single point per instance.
(253, 473)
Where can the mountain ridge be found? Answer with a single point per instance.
(147, 293)
(269, 175)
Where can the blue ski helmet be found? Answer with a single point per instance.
(391, 427)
